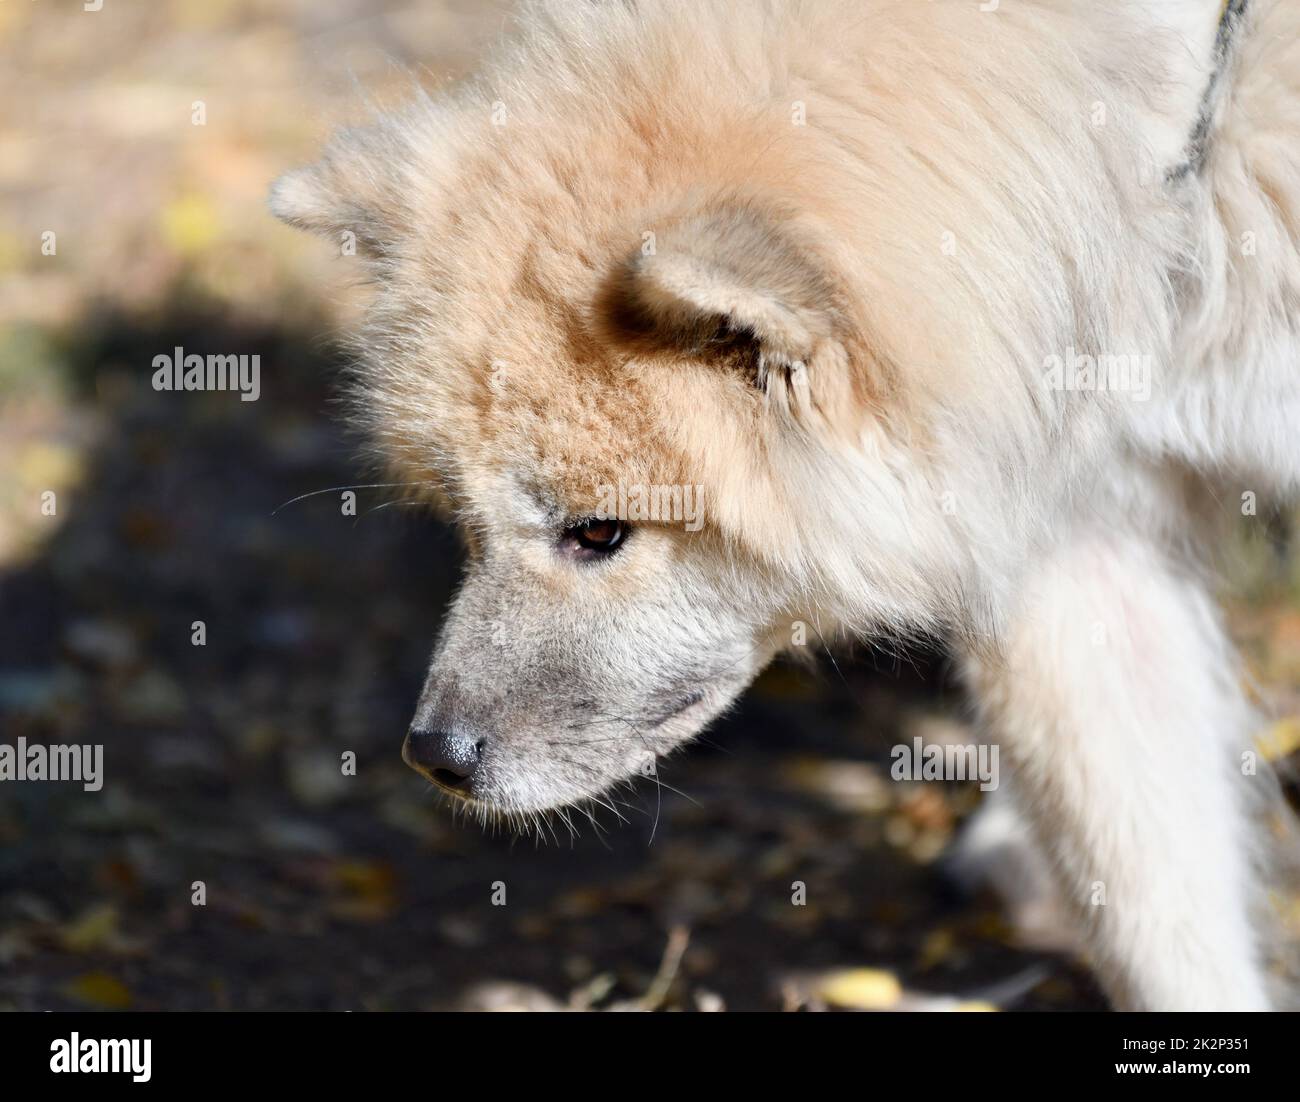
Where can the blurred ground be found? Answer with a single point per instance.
(222, 761)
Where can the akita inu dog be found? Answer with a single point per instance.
(961, 319)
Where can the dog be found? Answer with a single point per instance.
(963, 320)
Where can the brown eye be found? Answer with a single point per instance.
(600, 536)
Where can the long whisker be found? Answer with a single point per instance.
(340, 489)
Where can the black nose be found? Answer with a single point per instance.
(447, 757)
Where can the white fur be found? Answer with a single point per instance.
(1117, 697)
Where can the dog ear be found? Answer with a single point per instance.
(738, 273)
(355, 194)
(1194, 42)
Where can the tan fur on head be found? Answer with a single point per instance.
(521, 197)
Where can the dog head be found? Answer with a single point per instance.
(683, 345)
(599, 404)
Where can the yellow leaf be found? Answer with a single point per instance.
(48, 466)
(99, 989)
(1281, 740)
(190, 224)
(861, 989)
(90, 930)
(365, 878)
(369, 891)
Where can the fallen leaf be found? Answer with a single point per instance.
(370, 891)
(861, 989)
(92, 929)
(189, 224)
(99, 989)
(1280, 740)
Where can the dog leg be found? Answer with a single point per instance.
(998, 850)
(1116, 694)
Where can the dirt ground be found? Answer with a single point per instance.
(222, 761)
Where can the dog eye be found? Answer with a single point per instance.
(596, 537)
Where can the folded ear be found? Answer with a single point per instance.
(735, 272)
(1194, 22)
(357, 193)
(1194, 41)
